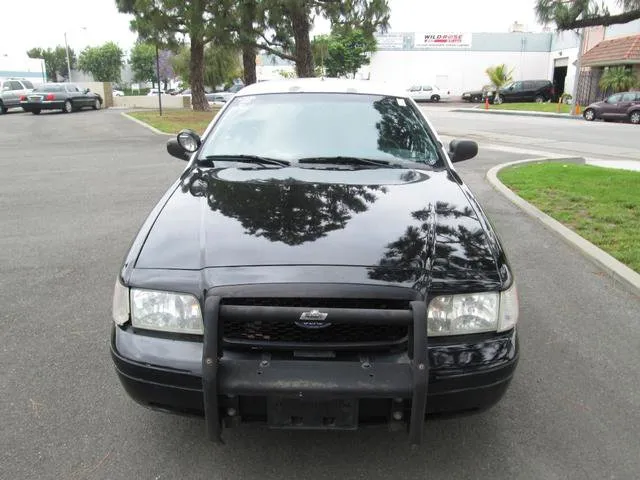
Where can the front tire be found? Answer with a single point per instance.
(477, 99)
(36, 111)
(68, 106)
(97, 104)
(3, 109)
(589, 114)
(634, 117)
(435, 98)
(539, 99)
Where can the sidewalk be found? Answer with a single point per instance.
(519, 113)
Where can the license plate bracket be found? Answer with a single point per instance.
(308, 414)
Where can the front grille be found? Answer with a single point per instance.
(335, 333)
(317, 303)
(273, 323)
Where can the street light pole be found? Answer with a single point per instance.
(66, 47)
(158, 77)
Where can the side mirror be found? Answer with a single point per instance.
(460, 150)
(175, 150)
(186, 142)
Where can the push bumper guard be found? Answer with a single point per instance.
(311, 379)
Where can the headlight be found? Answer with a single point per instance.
(472, 313)
(166, 312)
(120, 310)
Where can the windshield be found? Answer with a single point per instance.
(292, 126)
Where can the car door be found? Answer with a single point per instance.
(609, 109)
(426, 92)
(74, 94)
(623, 105)
(11, 97)
(415, 92)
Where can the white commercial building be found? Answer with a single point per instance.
(457, 61)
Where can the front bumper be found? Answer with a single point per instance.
(461, 375)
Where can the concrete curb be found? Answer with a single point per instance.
(618, 271)
(146, 125)
(518, 113)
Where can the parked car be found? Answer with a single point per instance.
(11, 89)
(429, 93)
(324, 271)
(118, 93)
(476, 96)
(154, 91)
(624, 106)
(67, 97)
(216, 99)
(523, 91)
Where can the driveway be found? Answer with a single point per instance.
(73, 191)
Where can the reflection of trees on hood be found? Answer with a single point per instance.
(397, 129)
(283, 210)
(436, 246)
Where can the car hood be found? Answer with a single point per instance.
(392, 221)
(597, 104)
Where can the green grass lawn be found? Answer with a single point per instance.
(600, 204)
(172, 121)
(533, 107)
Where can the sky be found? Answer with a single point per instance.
(102, 22)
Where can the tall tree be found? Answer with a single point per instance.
(143, 62)
(289, 23)
(222, 65)
(346, 51)
(575, 14)
(103, 62)
(164, 21)
(55, 61)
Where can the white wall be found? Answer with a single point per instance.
(144, 101)
(465, 69)
(571, 54)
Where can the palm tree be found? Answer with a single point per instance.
(618, 79)
(499, 76)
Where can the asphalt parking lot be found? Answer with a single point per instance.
(73, 191)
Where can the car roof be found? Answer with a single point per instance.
(322, 85)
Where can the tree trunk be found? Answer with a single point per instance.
(196, 72)
(249, 64)
(301, 29)
(247, 38)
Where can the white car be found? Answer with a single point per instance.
(430, 93)
(118, 93)
(154, 91)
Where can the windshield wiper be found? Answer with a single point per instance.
(351, 161)
(247, 159)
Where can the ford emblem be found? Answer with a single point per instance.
(313, 319)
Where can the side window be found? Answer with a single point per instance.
(27, 84)
(628, 97)
(517, 86)
(415, 88)
(427, 88)
(13, 85)
(614, 98)
(529, 85)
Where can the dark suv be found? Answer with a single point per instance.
(524, 91)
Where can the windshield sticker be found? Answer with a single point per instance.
(401, 102)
